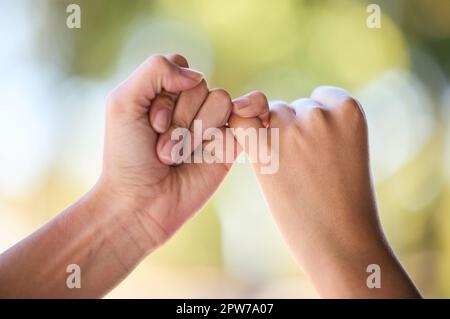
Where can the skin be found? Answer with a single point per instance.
(329, 220)
(140, 200)
(321, 197)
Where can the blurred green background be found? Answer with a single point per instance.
(54, 81)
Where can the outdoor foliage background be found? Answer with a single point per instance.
(54, 81)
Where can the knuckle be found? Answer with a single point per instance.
(318, 89)
(157, 60)
(222, 103)
(352, 111)
(178, 59)
(349, 105)
(321, 90)
(276, 106)
(260, 98)
(220, 95)
(317, 114)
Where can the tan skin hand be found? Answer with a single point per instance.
(138, 164)
(140, 200)
(322, 196)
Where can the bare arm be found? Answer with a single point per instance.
(322, 196)
(98, 233)
(140, 200)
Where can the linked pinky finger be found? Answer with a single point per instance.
(253, 105)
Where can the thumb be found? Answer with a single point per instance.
(155, 75)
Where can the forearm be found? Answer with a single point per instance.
(352, 272)
(97, 233)
(335, 244)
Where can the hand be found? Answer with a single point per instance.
(141, 114)
(322, 196)
(140, 199)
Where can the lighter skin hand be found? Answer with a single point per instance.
(322, 197)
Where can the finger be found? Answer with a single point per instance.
(247, 130)
(216, 109)
(204, 177)
(255, 102)
(155, 75)
(186, 108)
(214, 112)
(346, 110)
(332, 97)
(244, 107)
(178, 59)
(259, 143)
(160, 115)
(281, 114)
(188, 105)
(218, 146)
(303, 106)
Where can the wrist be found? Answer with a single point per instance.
(99, 234)
(343, 270)
(122, 221)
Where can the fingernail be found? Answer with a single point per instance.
(161, 120)
(242, 102)
(192, 74)
(166, 152)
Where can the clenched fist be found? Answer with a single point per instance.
(142, 112)
(141, 198)
(322, 196)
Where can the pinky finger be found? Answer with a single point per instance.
(253, 105)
